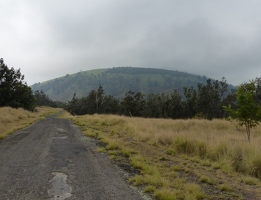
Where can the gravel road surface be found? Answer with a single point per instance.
(52, 160)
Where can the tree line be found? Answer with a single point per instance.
(208, 101)
(41, 99)
(205, 101)
(14, 91)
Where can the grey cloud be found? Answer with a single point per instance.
(48, 38)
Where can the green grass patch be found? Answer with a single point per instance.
(250, 180)
(193, 191)
(149, 189)
(205, 179)
(166, 194)
(101, 149)
(136, 180)
(225, 188)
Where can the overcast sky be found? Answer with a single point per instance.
(51, 38)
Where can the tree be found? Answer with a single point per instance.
(153, 106)
(248, 109)
(133, 104)
(175, 106)
(209, 102)
(190, 102)
(14, 91)
(43, 100)
(111, 105)
(99, 99)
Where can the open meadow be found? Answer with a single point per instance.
(12, 119)
(169, 159)
(181, 159)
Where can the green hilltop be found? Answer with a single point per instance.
(117, 81)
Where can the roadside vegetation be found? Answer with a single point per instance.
(181, 159)
(12, 119)
(193, 153)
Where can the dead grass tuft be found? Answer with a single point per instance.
(196, 149)
(14, 119)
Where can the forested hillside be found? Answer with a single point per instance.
(118, 81)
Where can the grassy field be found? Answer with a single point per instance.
(14, 119)
(181, 159)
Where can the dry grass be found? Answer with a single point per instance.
(208, 154)
(14, 119)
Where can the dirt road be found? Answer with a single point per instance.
(52, 160)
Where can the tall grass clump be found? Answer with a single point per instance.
(217, 141)
(156, 147)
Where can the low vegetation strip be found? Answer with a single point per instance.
(12, 119)
(181, 159)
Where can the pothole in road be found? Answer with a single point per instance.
(60, 190)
